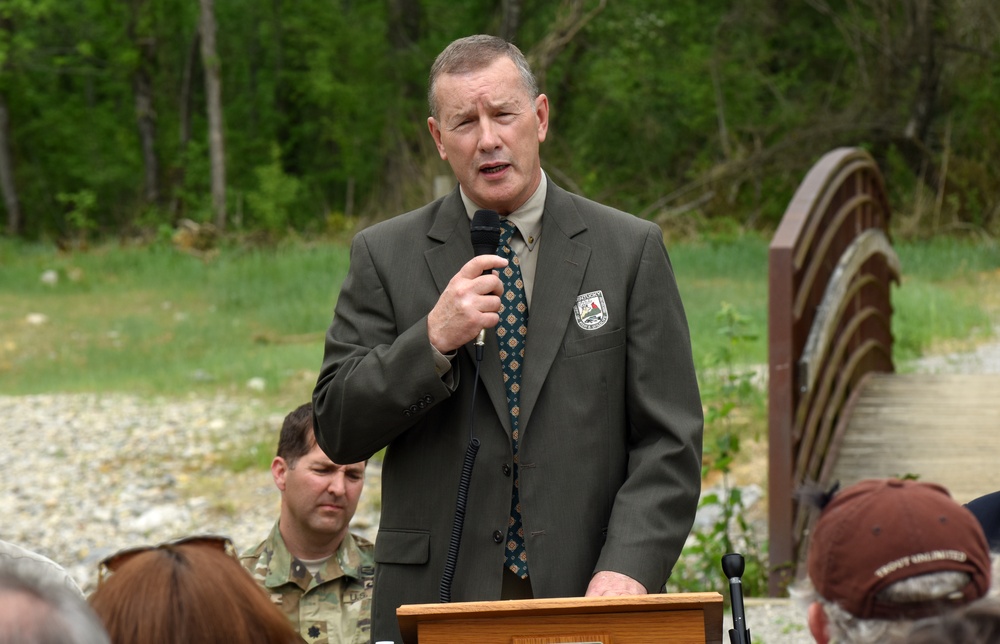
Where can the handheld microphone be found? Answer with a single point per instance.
(485, 233)
(732, 567)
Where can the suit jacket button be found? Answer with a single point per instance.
(497, 536)
(506, 469)
(413, 409)
(428, 399)
(406, 412)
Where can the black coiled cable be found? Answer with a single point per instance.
(463, 496)
(459, 522)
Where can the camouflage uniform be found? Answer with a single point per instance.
(332, 607)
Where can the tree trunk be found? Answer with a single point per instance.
(510, 19)
(573, 16)
(213, 91)
(184, 111)
(927, 24)
(7, 184)
(146, 119)
(142, 88)
(402, 165)
(404, 26)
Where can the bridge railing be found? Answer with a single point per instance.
(830, 267)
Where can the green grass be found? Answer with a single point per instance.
(155, 321)
(949, 296)
(711, 274)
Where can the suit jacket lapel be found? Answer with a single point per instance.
(451, 228)
(562, 263)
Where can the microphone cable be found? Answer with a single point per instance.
(463, 494)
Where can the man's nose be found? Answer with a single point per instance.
(336, 485)
(488, 136)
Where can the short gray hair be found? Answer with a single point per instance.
(473, 53)
(56, 615)
(845, 627)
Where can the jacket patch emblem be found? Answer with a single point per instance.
(591, 311)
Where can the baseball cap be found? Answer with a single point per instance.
(881, 531)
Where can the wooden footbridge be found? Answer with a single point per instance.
(837, 411)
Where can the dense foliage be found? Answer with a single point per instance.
(704, 108)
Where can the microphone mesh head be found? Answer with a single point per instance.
(485, 232)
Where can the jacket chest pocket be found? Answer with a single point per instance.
(402, 547)
(593, 342)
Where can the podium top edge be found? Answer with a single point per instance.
(659, 601)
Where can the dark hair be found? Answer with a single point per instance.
(473, 53)
(187, 594)
(46, 613)
(297, 438)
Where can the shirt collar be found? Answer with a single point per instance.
(527, 218)
(283, 568)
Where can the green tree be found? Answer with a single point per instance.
(684, 111)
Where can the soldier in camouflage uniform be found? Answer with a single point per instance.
(314, 569)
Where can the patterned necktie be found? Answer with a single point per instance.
(511, 334)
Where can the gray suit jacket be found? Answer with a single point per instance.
(611, 419)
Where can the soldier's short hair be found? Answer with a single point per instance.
(297, 438)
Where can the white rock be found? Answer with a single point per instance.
(256, 384)
(50, 277)
(160, 516)
(36, 319)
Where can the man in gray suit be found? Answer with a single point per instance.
(602, 470)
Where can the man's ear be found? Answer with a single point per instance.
(279, 468)
(435, 130)
(542, 114)
(816, 618)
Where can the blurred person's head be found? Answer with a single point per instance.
(34, 610)
(193, 591)
(887, 552)
(36, 566)
(986, 509)
(318, 497)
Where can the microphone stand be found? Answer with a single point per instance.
(732, 567)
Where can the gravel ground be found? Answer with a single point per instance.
(86, 475)
(983, 359)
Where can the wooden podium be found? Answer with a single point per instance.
(677, 618)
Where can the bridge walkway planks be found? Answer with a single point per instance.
(941, 427)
